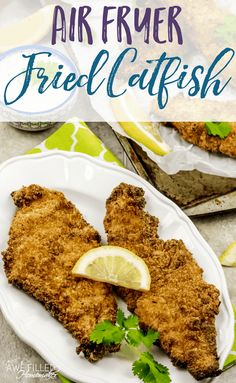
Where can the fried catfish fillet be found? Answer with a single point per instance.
(196, 133)
(180, 304)
(47, 236)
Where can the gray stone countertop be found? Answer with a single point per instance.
(219, 231)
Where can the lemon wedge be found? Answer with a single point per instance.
(228, 257)
(133, 120)
(114, 265)
(29, 30)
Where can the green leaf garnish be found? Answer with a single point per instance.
(134, 337)
(150, 338)
(128, 329)
(120, 318)
(131, 322)
(107, 333)
(220, 129)
(150, 371)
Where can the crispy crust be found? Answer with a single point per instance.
(195, 133)
(47, 236)
(180, 304)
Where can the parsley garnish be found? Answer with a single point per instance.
(128, 329)
(220, 129)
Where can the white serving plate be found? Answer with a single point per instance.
(88, 182)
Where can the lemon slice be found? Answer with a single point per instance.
(228, 257)
(28, 30)
(133, 120)
(114, 265)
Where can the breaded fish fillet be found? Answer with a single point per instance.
(180, 304)
(47, 237)
(196, 133)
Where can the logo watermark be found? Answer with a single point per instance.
(25, 369)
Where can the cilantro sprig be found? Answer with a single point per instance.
(220, 129)
(127, 329)
(148, 370)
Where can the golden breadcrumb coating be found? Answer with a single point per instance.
(180, 304)
(196, 133)
(48, 235)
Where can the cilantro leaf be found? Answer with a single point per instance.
(141, 369)
(221, 129)
(146, 368)
(131, 322)
(150, 338)
(134, 337)
(149, 371)
(120, 318)
(107, 333)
